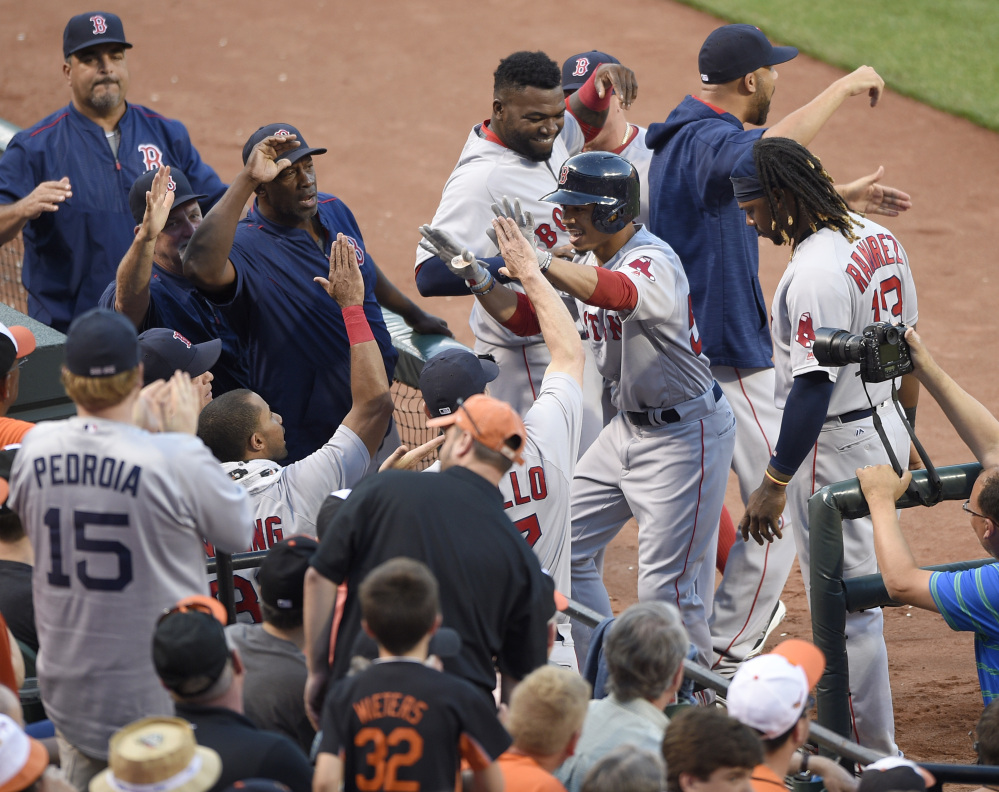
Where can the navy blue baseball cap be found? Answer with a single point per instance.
(282, 572)
(101, 343)
(453, 375)
(178, 184)
(732, 51)
(293, 156)
(167, 351)
(91, 28)
(744, 178)
(577, 69)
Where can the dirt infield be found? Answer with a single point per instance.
(392, 90)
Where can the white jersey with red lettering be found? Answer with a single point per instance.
(653, 352)
(639, 155)
(486, 172)
(665, 459)
(116, 517)
(286, 500)
(833, 282)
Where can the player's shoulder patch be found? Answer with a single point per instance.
(805, 334)
(642, 266)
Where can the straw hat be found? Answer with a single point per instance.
(158, 754)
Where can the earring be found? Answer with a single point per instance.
(773, 224)
(790, 220)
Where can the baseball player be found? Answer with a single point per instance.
(618, 136)
(536, 493)
(518, 152)
(260, 269)
(693, 210)
(150, 287)
(65, 180)
(845, 272)
(248, 438)
(663, 457)
(116, 516)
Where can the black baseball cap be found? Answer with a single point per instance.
(167, 351)
(189, 651)
(178, 184)
(101, 343)
(732, 51)
(577, 69)
(281, 130)
(90, 28)
(282, 572)
(453, 375)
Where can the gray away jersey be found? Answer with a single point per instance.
(116, 517)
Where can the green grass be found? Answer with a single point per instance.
(941, 52)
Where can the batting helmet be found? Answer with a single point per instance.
(604, 179)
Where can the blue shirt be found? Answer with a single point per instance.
(692, 207)
(296, 342)
(969, 601)
(71, 255)
(176, 304)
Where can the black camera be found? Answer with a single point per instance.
(881, 351)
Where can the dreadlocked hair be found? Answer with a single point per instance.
(785, 165)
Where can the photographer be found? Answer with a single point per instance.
(845, 272)
(968, 599)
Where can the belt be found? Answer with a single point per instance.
(663, 415)
(854, 415)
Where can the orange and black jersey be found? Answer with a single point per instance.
(400, 725)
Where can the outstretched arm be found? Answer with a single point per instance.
(903, 578)
(389, 296)
(590, 103)
(977, 427)
(804, 123)
(206, 260)
(372, 405)
(136, 267)
(867, 195)
(557, 326)
(46, 197)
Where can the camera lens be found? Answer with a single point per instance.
(834, 347)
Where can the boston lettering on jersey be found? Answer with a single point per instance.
(390, 705)
(87, 470)
(611, 326)
(871, 254)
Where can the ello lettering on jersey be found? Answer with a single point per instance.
(152, 157)
(534, 488)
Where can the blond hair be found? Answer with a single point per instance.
(548, 707)
(99, 393)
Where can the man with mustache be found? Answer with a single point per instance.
(150, 287)
(65, 180)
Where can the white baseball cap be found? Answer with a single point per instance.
(22, 759)
(769, 693)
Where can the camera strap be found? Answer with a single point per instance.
(935, 494)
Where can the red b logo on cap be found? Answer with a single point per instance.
(582, 64)
(282, 133)
(100, 24)
(563, 174)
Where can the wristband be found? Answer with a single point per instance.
(544, 259)
(358, 329)
(591, 99)
(776, 481)
(483, 286)
(910, 416)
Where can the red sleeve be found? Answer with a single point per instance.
(587, 94)
(524, 321)
(615, 291)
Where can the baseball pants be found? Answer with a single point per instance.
(521, 370)
(754, 576)
(841, 449)
(672, 480)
